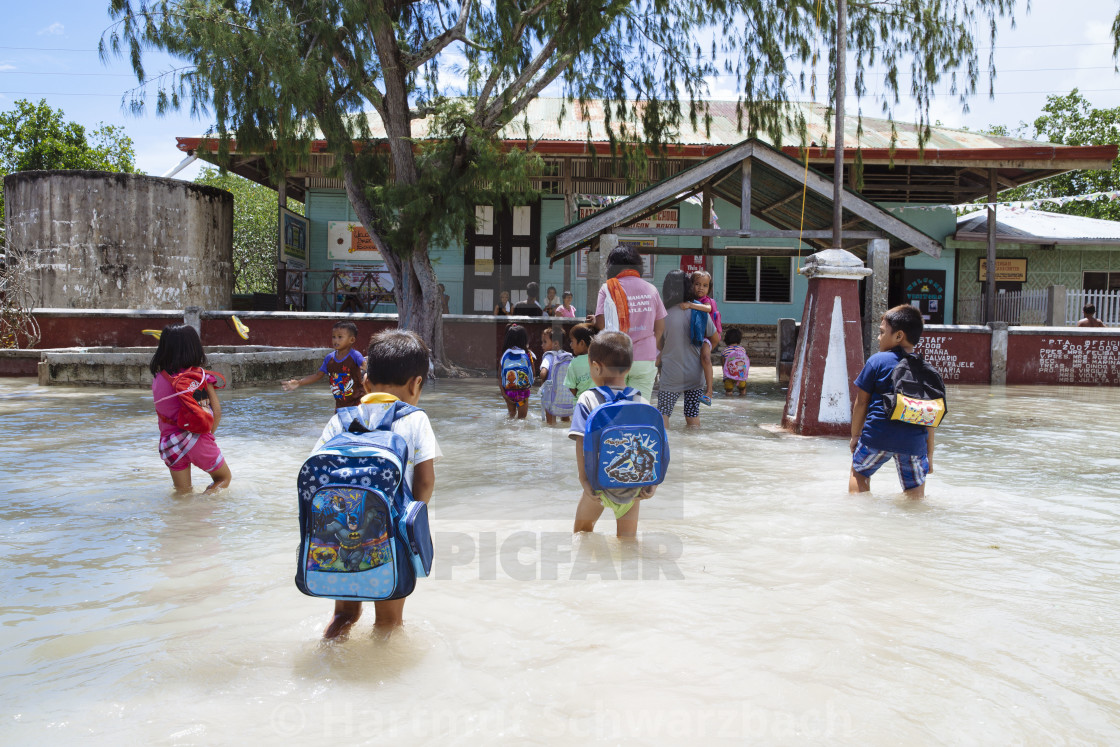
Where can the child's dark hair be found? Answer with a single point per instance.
(584, 333)
(733, 336)
(675, 288)
(613, 350)
(351, 328)
(689, 294)
(1088, 309)
(556, 332)
(396, 357)
(179, 348)
(907, 320)
(516, 337)
(567, 294)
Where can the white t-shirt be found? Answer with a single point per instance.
(414, 428)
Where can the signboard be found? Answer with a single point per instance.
(348, 241)
(353, 275)
(925, 291)
(665, 219)
(1007, 270)
(647, 259)
(691, 263)
(293, 285)
(293, 233)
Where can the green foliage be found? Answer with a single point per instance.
(36, 137)
(1071, 120)
(255, 227)
(292, 71)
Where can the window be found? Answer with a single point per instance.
(1101, 281)
(759, 279)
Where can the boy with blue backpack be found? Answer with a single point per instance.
(364, 491)
(621, 449)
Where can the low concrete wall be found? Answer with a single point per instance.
(471, 341)
(128, 367)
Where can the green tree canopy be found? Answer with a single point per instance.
(292, 71)
(38, 137)
(1071, 120)
(255, 229)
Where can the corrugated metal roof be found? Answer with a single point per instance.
(1037, 226)
(563, 120)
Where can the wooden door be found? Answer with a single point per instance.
(501, 253)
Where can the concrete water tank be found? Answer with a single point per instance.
(99, 240)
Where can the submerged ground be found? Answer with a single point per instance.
(762, 603)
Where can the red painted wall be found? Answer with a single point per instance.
(960, 356)
(471, 342)
(1055, 357)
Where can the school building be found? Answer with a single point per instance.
(755, 278)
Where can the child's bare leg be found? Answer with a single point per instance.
(550, 418)
(181, 479)
(388, 614)
(522, 409)
(915, 493)
(626, 527)
(511, 406)
(565, 419)
(857, 483)
(587, 513)
(221, 477)
(345, 615)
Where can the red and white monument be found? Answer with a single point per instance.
(829, 352)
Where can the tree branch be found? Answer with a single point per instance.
(439, 43)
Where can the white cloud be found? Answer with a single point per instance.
(5, 67)
(55, 29)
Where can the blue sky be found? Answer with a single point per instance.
(48, 50)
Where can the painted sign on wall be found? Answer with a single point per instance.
(348, 241)
(960, 357)
(1007, 270)
(691, 263)
(1048, 359)
(647, 259)
(293, 229)
(925, 291)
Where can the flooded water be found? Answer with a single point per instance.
(762, 603)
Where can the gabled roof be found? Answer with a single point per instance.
(774, 186)
(1025, 226)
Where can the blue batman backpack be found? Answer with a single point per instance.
(362, 536)
(516, 370)
(624, 442)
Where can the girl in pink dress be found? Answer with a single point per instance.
(566, 309)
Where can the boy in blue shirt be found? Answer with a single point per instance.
(876, 439)
(343, 368)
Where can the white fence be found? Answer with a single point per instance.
(1107, 303)
(1015, 307)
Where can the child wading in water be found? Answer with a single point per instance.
(577, 379)
(515, 371)
(343, 368)
(179, 351)
(876, 439)
(701, 303)
(736, 364)
(396, 366)
(556, 401)
(611, 355)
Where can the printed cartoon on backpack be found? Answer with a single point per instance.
(919, 392)
(517, 370)
(625, 444)
(363, 537)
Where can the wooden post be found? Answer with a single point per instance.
(281, 267)
(990, 284)
(841, 90)
(745, 196)
(875, 293)
(706, 222)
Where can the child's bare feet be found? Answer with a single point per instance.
(345, 615)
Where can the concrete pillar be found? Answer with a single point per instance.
(1056, 306)
(192, 315)
(597, 268)
(875, 293)
(787, 346)
(999, 352)
(829, 347)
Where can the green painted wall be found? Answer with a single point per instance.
(1062, 265)
(328, 205)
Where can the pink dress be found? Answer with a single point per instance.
(568, 312)
(179, 449)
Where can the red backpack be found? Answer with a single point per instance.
(190, 387)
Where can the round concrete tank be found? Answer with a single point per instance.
(99, 240)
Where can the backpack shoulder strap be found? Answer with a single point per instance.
(395, 413)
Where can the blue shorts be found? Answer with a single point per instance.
(912, 468)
